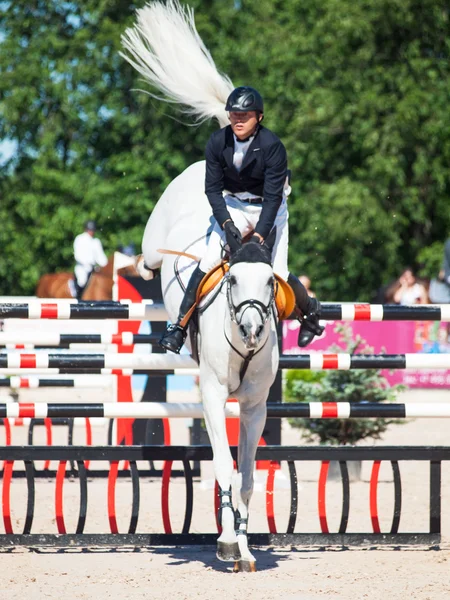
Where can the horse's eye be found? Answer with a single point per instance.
(270, 282)
(233, 280)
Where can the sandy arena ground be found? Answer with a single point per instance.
(306, 573)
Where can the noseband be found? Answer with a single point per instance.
(264, 310)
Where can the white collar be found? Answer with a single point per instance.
(249, 140)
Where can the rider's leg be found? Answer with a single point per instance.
(81, 280)
(310, 307)
(174, 336)
(78, 289)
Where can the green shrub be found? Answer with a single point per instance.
(365, 385)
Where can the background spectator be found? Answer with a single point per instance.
(407, 290)
(444, 275)
(307, 283)
(440, 287)
(88, 252)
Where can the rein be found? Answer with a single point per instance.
(179, 253)
(246, 359)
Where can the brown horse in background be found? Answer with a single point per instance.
(99, 286)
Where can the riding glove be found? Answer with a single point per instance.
(233, 236)
(256, 239)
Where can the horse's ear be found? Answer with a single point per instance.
(270, 239)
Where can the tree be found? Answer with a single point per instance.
(88, 146)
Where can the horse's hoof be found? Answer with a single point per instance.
(244, 566)
(228, 552)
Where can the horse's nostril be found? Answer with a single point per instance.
(242, 330)
(259, 330)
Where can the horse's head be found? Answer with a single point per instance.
(250, 289)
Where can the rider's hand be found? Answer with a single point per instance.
(233, 236)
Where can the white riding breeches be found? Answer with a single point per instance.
(245, 216)
(82, 273)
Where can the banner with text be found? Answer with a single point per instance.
(385, 337)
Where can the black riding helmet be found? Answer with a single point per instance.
(90, 225)
(244, 99)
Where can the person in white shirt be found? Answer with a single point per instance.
(409, 290)
(88, 252)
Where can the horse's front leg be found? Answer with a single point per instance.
(252, 420)
(214, 397)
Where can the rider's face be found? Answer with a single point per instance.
(244, 124)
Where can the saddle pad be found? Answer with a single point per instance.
(284, 298)
(284, 295)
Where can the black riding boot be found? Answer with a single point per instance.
(78, 289)
(174, 336)
(310, 307)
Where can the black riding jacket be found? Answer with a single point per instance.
(263, 173)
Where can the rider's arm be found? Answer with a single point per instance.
(100, 257)
(274, 180)
(214, 184)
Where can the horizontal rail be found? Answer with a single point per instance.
(80, 382)
(91, 372)
(168, 362)
(160, 410)
(37, 309)
(48, 360)
(190, 453)
(89, 310)
(32, 339)
(279, 540)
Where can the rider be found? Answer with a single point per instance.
(88, 252)
(247, 186)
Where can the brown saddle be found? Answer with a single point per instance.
(284, 295)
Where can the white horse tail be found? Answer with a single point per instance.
(166, 49)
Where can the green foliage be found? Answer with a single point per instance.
(366, 385)
(358, 92)
(431, 259)
(294, 375)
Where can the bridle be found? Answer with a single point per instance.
(264, 310)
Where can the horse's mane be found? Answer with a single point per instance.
(252, 252)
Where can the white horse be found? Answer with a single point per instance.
(238, 348)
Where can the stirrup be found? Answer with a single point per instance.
(173, 338)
